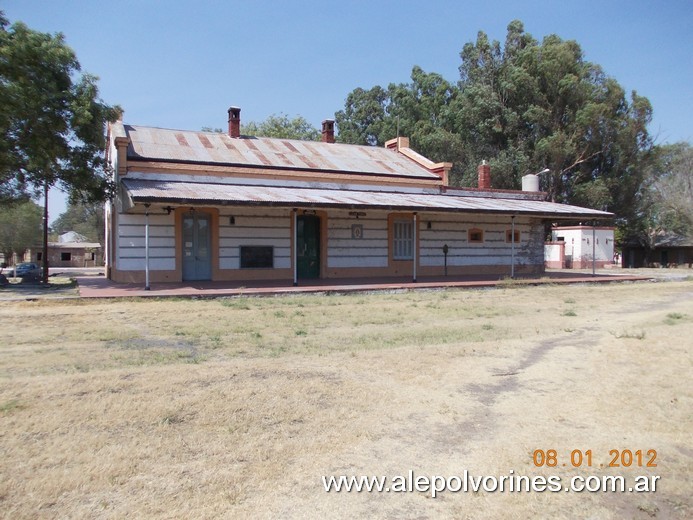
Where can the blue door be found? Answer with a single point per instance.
(197, 257)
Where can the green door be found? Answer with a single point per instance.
(308, 246)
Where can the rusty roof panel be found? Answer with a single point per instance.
(217, 148)
(187, 192)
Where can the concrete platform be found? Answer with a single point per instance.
(100, 287)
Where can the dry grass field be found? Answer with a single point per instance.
(235, 408)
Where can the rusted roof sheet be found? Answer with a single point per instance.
(154, 144)
(171, 192)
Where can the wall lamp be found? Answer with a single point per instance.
(168, 209)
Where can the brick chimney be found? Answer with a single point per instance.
(234, 122)
(484, 171)
(328, 131)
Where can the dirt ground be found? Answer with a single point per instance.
(235, 408)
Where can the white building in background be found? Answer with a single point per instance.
(575, 247)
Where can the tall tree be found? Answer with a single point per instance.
(51, 120)
(20, 227)
(523, 106)
(82, 218)
(281, 126)
(674, 185)
(665, 198)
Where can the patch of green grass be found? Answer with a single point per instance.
(171, 418)
(569, 300)
(10, 406)
(674, 317)
(569, 312)
(115, 335)
(158, 357)
(240, 304)
(509, 283)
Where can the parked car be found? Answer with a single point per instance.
(28, 270)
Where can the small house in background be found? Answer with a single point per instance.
(669, 250)
(71, 250)
(574, 247)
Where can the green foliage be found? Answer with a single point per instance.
(674, 318)
(523, 106)
(282, 127)
(51, 119)
(85, 219)
(419, 110)
(21, 226)
(665, 197)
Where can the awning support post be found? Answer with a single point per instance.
(512, 247)
(594, 248)
(414, 246)
(294, 221)
(146, 247)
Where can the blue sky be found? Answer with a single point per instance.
(182, 63)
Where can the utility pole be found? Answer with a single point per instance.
(45, 231)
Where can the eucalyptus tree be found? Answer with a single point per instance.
(52, 121)
(665, 197)
(20, 228)
(283, 127)
(523, 106)
(529, 105)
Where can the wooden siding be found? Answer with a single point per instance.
(130, 251)
(251, 227)
(494, 250)
(368, 251)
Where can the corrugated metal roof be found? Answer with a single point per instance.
(75, 245)
(217, 148)
(231, 194)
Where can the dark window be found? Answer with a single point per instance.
(475, 236)
(65, 257)
(39, 256)
(257, 257)
(509, 232)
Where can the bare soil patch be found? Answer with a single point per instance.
(235, 408)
